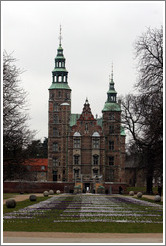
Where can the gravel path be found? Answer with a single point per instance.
(61, 237)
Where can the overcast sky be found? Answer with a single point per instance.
(95, 34)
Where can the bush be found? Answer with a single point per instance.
(58, 192)
(45, 193)
(51, 192)
(131, 193)
(139, 194)
(10, 203)
(32, 198)
(157, 198)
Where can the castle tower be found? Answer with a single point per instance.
(114, 137)
(59, 117)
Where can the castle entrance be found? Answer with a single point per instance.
(87, 187)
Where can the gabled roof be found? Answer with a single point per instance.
(37, 164)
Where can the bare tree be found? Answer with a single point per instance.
(16, 134)
(142, 114)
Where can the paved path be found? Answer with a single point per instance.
(61, 237)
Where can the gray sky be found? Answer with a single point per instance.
(95, 34)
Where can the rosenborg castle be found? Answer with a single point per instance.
(83, 151)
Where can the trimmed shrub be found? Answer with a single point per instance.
(32, 198)
(10, 203)
(131, 193)
(58, 192)
(51, 192)
(45, 193)
(139, 194)
(157, 198)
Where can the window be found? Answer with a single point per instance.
(76, 143)
(95, 171)
(55, 162)
(76, 172)
(55, 107)
(95, 143)
(42, 167)
(95, 160)
(111, 129)
(56, 119)
(59, 94)
(111, 145)
(86, 127)
(55, 132)
(51, 96)
(111, 160)
(54, 175)
(76, 159)
(55, 147)
(111, 116)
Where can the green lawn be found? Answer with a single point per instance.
(141, 189)
(23, 204)
(91, 227)
(149, 200)
(45, 222)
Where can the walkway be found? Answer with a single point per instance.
(61, 237)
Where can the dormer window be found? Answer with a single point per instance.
(95, 143)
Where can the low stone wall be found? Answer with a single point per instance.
(39, 187)
(36, 187)
(113, 188)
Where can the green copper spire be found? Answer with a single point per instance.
(111, 94)
(111, 103)
(60, 74)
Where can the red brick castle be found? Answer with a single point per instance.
(84, 151)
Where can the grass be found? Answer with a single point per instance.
(91, 227)
(45, 223)
(149, 200)
(23, 204)
(141, 189)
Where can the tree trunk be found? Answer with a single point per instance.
(149, 185)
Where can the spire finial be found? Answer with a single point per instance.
(60, 36)
(112, 72)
